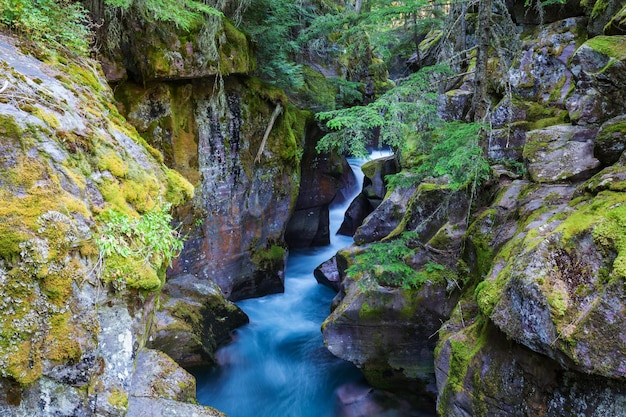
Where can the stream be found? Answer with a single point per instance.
(277, 365)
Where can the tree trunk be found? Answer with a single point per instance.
(480, 104)
(277, 111)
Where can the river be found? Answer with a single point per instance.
(277, 365)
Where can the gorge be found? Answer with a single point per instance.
(165, 188)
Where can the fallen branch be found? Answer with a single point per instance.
(5, 86)
(277, 111)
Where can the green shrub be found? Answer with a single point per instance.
(56, 23)
(134, 250)
(386, 263)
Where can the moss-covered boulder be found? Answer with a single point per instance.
(387, 332)
(73, 313)
(560, 153)
(161, 388)
(454, 104)
(386, 217)
(150, 50)
(599, 69)
(423, 209)
(481, 372)
(193, 321)
(557, 286)
(611, 140)
(541, 72)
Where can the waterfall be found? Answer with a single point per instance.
(277, 365)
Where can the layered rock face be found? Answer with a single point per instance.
(74, 318)
(238, 141)
(531, 294)
(210, 126)
(539, 332)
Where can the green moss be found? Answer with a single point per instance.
(318, 92)
(465, 346)
(269, 259)
(60, 345)
(48, 118)
(9, 127)
(110, 161)
(612, 46)
(118, 398)
(134, 273)
(599, 8)
(267, 91)
(235, 54)
(368, 311)
(179, 190)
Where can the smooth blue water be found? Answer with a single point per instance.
(277, 365)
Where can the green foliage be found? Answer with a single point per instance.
(406, 110)
(184, 14)
(56, 23)
(273, 24)
(145, 241)
(392, 28)
(386, 262)
(457, 154)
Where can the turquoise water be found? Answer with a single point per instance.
(277, 365)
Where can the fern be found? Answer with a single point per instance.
(406, 110)
(385, 262)
(184, 14)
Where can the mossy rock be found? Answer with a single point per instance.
(611, 140)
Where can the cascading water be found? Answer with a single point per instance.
(277, 366)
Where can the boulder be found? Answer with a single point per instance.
(193, 321)
(560, 153)
(611, 140)
(386, 332)
(386, 217)
(556, 286)
(328, 274)
(480, 371)
(161, 388)
(454, 104)
(506, 143)
(358, 210)
(541, 73)
(599, 70)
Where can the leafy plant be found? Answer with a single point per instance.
(409, 109)
(148, 240)
(274, 24)
(57, 23)
(184, 14)
(386, 263)
(457, 154)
